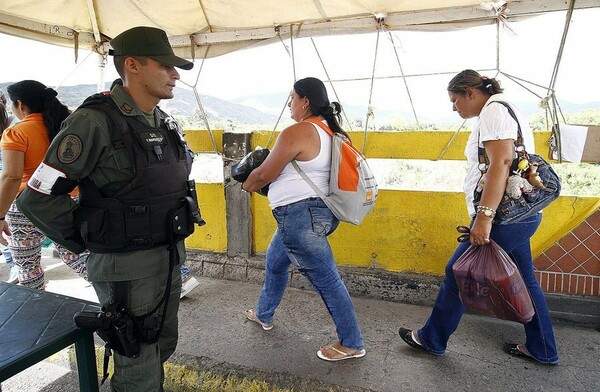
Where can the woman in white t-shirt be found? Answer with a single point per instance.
(303, 219)
(473, 95)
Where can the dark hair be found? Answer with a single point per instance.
(40, 99)
(472, 79)
(315, 91)
(119, 62)
(3, 112)
(116, 82)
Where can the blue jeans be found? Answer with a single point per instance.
(7, 255)
(185, 271)
(301, 239)
(448, 309)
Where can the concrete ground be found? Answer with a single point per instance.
(216, 338)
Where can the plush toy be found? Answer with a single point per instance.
(523, 165)
(517, 185)
(534, 177)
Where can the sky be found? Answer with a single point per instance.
(528, 50)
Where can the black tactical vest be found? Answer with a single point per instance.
(140, 213)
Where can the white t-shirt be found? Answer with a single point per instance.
(494, 123)
(289, 187)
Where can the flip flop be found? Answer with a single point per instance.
(513, 349)
(251, 315)
(344, 355)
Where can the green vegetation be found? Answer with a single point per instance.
(182, 379)
(539, 122)
(577, 179)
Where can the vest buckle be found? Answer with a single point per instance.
(139, 210)
(142, 242)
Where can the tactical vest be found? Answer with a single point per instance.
(145, 211)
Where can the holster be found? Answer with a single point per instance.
(115, 326)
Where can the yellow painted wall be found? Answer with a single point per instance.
(433, 145)
(407, 230)
(416, 231)
(398, 145)
(212, 236)
(200, 141)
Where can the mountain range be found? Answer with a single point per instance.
(262, 111)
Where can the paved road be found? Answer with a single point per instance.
(215, 336)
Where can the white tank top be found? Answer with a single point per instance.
(289, 187)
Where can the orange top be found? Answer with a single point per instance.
(29, 136)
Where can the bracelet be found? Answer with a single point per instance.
(1, 219)
(487, 211)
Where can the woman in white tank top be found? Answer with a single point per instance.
(303, 219)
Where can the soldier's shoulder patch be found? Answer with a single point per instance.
(69, 149)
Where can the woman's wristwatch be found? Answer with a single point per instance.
(486, 211)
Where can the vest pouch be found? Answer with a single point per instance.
(137, 222)
(107, 225)
(93, 223)
(182, 223)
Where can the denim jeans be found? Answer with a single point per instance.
(448, 309)
(7, 255)
(301, 239)
(185, 271)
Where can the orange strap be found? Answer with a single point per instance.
(348, 174)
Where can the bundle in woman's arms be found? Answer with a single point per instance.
(242, 169)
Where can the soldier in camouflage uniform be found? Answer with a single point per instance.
(131, 164)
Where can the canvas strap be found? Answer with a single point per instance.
(308, 180)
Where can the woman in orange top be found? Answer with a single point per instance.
(24, 146)
(6, 120)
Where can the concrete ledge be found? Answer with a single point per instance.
(415, 289)
(577, 310)
(185, 372)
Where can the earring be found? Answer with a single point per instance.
(304, 107)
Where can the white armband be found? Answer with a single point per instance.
(44, 178)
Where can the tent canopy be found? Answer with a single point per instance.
(208, 28)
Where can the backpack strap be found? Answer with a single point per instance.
(300, 171)
(320, 124)
(308, 180)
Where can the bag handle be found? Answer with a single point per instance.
(484, 161)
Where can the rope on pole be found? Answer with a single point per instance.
(330, 82)
(412, 105)
(370, 108)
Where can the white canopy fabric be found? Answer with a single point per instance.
(208, 28)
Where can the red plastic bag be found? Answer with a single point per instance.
(489, 282)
